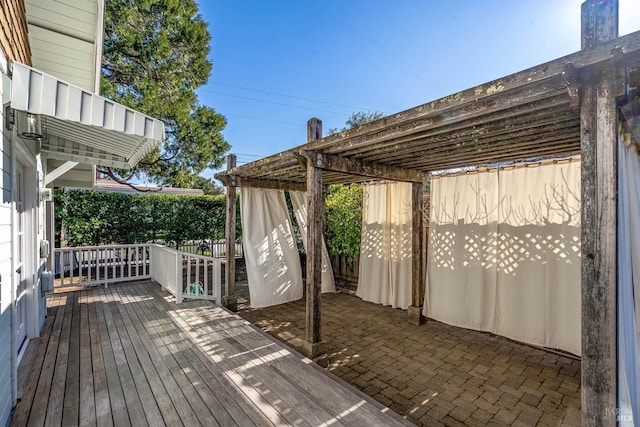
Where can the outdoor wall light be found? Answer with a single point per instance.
(30, 126)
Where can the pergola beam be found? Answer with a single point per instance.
(272, 184)
(331, 162)
(230, 300)
(313, 346)
(598, 117)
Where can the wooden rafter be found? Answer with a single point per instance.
(350, 166)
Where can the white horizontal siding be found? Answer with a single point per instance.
(74, 17)
(67, 58)
(5, 366)
(6, 401)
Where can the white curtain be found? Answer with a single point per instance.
(539, 286)
(273, 264)
(299, 202)
(385, 251)
(504, 253)
(628, 286)
(461, 268)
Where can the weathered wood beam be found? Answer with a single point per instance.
(504, 144)
(349, 166)
(417, 275)
(313, 346)
(447, 143)
(261, 183)
(599, 218)
(230, 300)
(272, 184)
(314, 129)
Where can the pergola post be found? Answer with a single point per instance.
(598, 122)
(230, 300)
(313, 346)
(417, 275)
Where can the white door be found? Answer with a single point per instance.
(21, 282)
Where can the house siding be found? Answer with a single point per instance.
(6, 400)
(14, 40)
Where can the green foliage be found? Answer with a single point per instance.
(94, 218)
(357, 119)
(155, 56)
(344, 220)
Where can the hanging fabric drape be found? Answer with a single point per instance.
(461, 269)
(385, 251)
(299, 202)
(628, 286)
(504, 253)
(271, 254)
(539, 287)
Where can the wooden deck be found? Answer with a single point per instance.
(128, 355)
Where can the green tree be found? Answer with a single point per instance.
(357, 119)
(154, 58)
(344, 202)
(344, 220)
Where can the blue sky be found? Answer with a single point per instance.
(278, 63)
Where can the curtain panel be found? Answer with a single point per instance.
(385, 250)
(628, 286)
(299, 202)
(504, 253)
(271, 254)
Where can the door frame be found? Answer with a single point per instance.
(30, 205)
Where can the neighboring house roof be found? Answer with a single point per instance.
(82, 126)
(114, 187)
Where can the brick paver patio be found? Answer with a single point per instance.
(433, 374)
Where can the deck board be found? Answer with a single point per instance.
(87, 409)
(128, 355)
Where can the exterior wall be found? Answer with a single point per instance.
(62, 36)
(6, 272)
(14, 40)
(36, 302)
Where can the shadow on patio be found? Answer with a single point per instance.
(432, 374)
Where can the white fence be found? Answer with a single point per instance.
(215, 249)
(101, 265)
(184, 275)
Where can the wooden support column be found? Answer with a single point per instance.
(230, 300)
(417, 275)
(313, 346)
(598, 122)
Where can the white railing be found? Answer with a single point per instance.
(184, 275)
(100, 265)
(201, 277)
(214, 249)
(166, 269)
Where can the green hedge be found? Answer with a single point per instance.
(344, 220)
(94, 218)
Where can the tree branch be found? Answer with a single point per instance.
(111, 174)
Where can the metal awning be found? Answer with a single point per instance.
(82, 126)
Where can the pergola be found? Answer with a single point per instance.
(571, 104)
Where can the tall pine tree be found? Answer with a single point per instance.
(154, 58)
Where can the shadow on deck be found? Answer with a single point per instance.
(128, 355)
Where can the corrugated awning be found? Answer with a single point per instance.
(82, 126)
